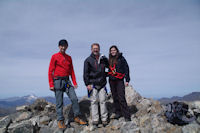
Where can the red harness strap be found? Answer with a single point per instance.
(114, 73)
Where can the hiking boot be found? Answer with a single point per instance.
(127, 119)
(105, 123)
(80, 121)
(61, 125)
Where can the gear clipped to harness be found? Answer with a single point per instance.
(114, 73)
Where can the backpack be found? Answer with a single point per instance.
(176, 113)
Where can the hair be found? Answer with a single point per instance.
(63, 42)
(95, 44)
(113, 59)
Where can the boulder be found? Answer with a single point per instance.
(22, 108)
(5, 121)
(44, 120)
(132, 97)
(21, 127)
(23, 116)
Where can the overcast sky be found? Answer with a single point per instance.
(159, 39)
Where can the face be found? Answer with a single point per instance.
(113, 51)
(63, 48)
(95, 50)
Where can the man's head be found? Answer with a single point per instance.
(95, 48)
(63, 45)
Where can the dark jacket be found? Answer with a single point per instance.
(121, 67)
(94, 73)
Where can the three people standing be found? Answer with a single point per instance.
(61, 68)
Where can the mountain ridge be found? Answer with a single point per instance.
(193, 96)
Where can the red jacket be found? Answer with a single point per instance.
(61, 65)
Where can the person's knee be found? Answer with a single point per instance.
(74, 99)
(102, 100)
(94, 101)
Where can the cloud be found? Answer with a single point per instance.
(160, 41)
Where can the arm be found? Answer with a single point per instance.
(86, 72)
(51, 71)
(126, 68)
(73, 75)
(86, 75)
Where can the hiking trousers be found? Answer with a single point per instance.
(98, 96)
(118, 94)
(59, 102)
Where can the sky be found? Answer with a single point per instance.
(159, 39)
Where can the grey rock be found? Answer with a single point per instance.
(39, 105)
(145, 120)
(115, 125)
(5, 121)
(3, 130)
(144, 103)
(35, 120)
(146, 129)
(57, 130)
(129, 127)
(195, 105)
(53, 124)
(44, 120)
(132, 97)
(21, 127)
(69, 130)
(46, 130)
(50, 108)
(191, 128)
(22, 108)
(23, 116)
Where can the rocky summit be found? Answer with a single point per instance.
(147, 116)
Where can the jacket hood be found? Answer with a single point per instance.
(120, 55)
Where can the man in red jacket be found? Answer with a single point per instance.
(60, 69)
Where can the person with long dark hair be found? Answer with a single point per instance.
(118, 72)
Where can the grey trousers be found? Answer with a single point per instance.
(98, 96)
(59, 102)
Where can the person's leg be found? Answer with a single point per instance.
(113, 88)
(75, 106)
(103, 109)
(94, 106)
(122, 100)
(59, 104)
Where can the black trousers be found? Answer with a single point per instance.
(118, 94)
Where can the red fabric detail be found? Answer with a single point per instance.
(61, 65)
(114, 73)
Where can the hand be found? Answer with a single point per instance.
(89, 87)
(126, 84)
(75, 86)
(52, 88)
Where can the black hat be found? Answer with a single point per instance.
(63, 42)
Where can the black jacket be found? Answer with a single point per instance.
(121, 67)
(94, 73)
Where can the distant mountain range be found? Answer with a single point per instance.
(8, 105)
(194, 96)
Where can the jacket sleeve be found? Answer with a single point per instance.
(51, 71)
(126, 69)
(73, 74)
(86, 72)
